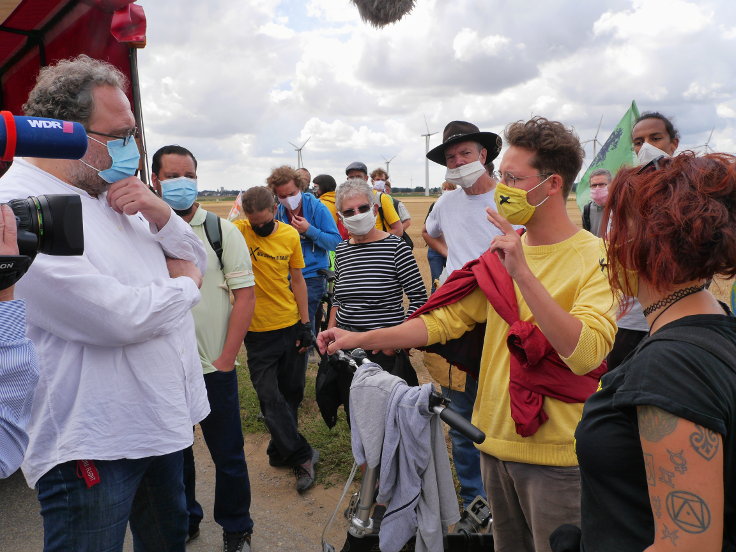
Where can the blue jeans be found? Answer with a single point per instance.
(148, 492)
(277, 375)
(316, 287)
(464, 454)
(436, 263)
(223, 434)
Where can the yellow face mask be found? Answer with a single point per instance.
(513, 205)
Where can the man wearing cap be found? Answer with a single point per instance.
(458, 228)
(388, 220)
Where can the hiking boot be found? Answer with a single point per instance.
(235, 542)
(465, 525)
(305, 473)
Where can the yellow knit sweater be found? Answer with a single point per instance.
(571, 272)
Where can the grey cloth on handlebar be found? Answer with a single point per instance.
(393, 422)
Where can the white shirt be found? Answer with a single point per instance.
(462, 220)
(119, 370)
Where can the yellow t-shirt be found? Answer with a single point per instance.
(272, 257)
(389, 213)
(571, 272)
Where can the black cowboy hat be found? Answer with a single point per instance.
(462, 131)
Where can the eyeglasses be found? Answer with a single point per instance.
(507, 177)
(131, 134)
(347, 213)
(601, 185)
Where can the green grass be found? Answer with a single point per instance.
(336, 458)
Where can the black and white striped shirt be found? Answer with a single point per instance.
(370, 279)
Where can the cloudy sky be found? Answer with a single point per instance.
(236, 80)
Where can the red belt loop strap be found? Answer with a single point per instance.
(11, 136)
(87, 470)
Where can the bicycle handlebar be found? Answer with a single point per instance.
(456, 421)
(438, 403)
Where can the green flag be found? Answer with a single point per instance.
(615, 153)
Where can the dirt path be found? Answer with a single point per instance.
(284, 520)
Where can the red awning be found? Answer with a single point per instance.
(39, 32)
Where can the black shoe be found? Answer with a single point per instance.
(305, 473)
(465, 525)
(235, 542)
(193, 533)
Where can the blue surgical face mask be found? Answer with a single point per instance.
(180, 193)
(125, 159)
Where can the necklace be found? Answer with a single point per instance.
(670, 300)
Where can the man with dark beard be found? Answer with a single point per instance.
(120, 380)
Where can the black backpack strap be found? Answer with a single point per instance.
(380, 212)
(213, 231)
(711, 341)
(586, 217)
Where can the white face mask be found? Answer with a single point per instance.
(379, 185)
(647, 152)
(360, 224)
(291, 202)
(466, 175)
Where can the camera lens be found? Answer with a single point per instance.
(50, 224)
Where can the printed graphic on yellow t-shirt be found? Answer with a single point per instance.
(272, 257)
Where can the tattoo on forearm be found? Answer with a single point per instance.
(689, 511)
(657, 506)
(672, 535)
(705, 442)
(678, 459)
(655, 423)
(667, 477)
(649, 469)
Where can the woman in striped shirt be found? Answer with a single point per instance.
(373, 269)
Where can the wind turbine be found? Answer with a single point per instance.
(388, 162)
(595, 140)
(426, 160)
(706, 146)
(298, 150)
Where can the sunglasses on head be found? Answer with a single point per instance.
(347, 213)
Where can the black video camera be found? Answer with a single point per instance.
(50, 224)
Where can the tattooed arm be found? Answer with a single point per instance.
(684, 468)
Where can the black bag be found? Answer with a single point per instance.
(332, 388)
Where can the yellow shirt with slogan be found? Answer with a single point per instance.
(272, 257)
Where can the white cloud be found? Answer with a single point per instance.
(236, 81)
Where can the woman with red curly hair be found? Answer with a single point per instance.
(656, 443)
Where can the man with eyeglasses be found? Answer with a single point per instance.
(558, 306)
(593, 211)
(457, 228)
(120, 379)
